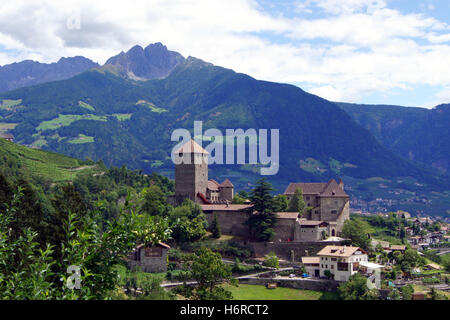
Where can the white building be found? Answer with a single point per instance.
(341, 261)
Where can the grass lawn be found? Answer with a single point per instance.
(256, 292)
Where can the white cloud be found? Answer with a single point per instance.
(356, 48)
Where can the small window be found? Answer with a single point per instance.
(333, 211)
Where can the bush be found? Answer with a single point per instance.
(271, 261)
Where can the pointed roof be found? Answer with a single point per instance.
(227, 184)
(213, 185)
(191, 147)
(331, 188)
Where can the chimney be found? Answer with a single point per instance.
(341, 184)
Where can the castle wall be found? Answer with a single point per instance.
(285, 230)
(230, 222)
(330, 210)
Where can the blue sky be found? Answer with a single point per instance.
(362, 51)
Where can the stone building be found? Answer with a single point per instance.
(328, 201)
(149, 258)
(191, 178)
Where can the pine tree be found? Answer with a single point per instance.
(297, 204)
(215, 228)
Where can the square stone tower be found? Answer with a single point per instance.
(191, 175)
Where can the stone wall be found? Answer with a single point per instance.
(304, 284)
(292, 251)
(285, 229)
(230, 222)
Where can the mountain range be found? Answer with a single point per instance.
(28, 73)
(125, 111)
(414, 133)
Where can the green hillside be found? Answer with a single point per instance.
(34, 164)
(414, 133)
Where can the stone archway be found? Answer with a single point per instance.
(333, 233)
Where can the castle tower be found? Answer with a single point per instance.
(191, 176)
(226, 191)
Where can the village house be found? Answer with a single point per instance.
(341, 261)
(149, 258)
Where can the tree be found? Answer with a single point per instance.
(297, 204)
(261, 198)
(154, 201)
(436, 295)
(395, 295)
(271, 260)
(407, 292)
(29, 272)
(263, 221)
(280, 203)
(215, 228)
(237, 199)
(187, 222)
(357, 230)
(356, 289)
(210, 272)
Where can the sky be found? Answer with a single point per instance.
(360, 51)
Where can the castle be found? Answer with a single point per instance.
(191, 178)
(327, 202)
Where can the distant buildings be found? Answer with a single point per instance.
(7, 136)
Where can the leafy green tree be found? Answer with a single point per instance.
(210, 272)
(154, 201)
(215, 228)
(271, 260)
(28, 272)
(407, 292)
(356, 289)
(280, 203)
(297, 204)
(357, 231)
(237, 199)
(187, 222)
(436, 295)
(395, 295)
